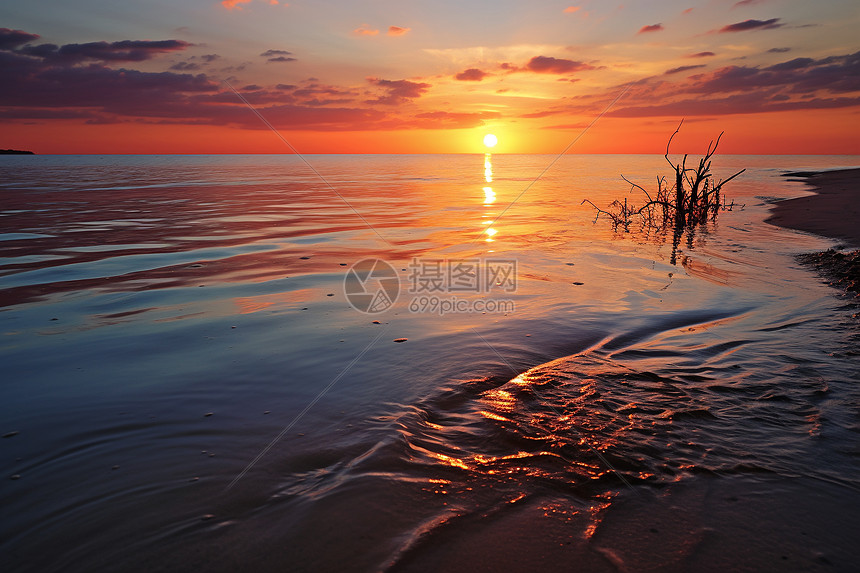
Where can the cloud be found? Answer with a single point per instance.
(735, 104)
(652, 28)
(751, 25)
(272, 53)
(700, 55)
(398, 91)
(571, 9)
(278, 56)
(123, 51)
(549, 65)
(680, 69)
(365, 30)
(471, 75)
(231, 4)
(687, 11)
(10, 39)
(539, 114)
(452, 120)
(185, 66)
(797, 84)
(36, 84)
(397, 30)
(836, 74)
(743, 3)
(237, 4)
(778, 50)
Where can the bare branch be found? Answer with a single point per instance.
(721, 183)
(677, 129)
(637, 186)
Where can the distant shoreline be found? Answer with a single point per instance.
(15, 152)
(832, 212)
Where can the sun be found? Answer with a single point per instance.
(490, 140)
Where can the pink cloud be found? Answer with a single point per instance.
(397, 30)
(365, 30)
(549, 65)
(571, 9)
(471, 75)
(398, 91)
(651, 28)
(231, 4)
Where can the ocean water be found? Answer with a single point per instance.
(186, 384)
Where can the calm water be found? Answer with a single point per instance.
(165, 319)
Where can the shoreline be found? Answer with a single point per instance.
(832, 212)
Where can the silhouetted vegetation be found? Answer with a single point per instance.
(689, 198)
(15, 152)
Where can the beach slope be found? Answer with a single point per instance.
(834, 210)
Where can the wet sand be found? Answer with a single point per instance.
(832, 212)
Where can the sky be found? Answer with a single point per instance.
(431, 76)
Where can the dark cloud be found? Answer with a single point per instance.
(680, 69)
(837, 74)
(278, 56)
(273, 53)
(123, 51)
(651, 28)
(185, 66)
(735, 104)
(76, 81)
(549, 65)
(10, 39)
(40, 51)
(751, 25)
(48, 77)
(471, 75)
(743, 3)
(797, 84)
(398, 91)
(778, 50)
(700, 55)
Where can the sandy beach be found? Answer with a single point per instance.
(833, 210)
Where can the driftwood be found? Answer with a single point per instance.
(692, 199)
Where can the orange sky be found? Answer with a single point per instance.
(394, 77)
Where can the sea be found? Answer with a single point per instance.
(417, 363)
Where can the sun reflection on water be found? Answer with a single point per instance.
(489, 198)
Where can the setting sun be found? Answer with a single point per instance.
(490, 140)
